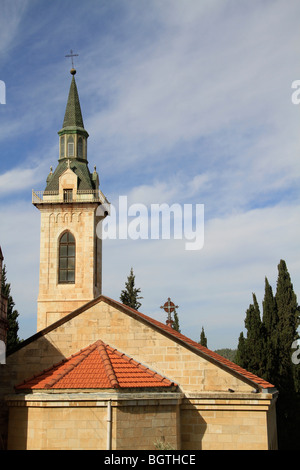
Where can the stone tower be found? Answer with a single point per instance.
(70, 251)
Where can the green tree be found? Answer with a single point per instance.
(12, 314)
(287, 323)
(203, 339)
(130, 295)
(288, 403)
(175, 324)
(228, 353)
(267, 352)
(254, 343)
(270, 323)
(241, 357)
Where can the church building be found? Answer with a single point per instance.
(100, 375)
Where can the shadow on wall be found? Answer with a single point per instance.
(30, 358)
(193, 426)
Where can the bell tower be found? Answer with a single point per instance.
(70, 251)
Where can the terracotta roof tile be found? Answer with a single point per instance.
(96, 367)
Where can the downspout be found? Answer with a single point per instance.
(109, 425)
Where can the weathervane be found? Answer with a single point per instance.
(169, 307)
(72, 55)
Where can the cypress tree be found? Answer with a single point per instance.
(254, 341)
(270, 316)
(270, 321)
(288, 404)
(130, 295)
(12, 314)
(175, 324)
(203, 339)
(267, 351)
(241, 357)
(286, 332)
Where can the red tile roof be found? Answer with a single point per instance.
(96, 367)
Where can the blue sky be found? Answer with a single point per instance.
(185, 101)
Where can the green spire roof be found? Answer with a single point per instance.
(86, 180)
(73, 116)
(73, 124)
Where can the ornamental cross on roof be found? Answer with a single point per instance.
(169, 307)
(72, 55)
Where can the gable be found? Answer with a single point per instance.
(171, 354)
(79, 168)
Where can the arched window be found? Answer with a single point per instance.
(66, 259)
(62, 146)
(70, 147)
(80, 148)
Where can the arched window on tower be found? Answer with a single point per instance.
(80, 148)
(62, 146)
(66, 274)
(70, 146)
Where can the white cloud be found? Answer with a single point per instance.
(19, 240)
(182, 88)
(212, 72)
(213, 286)
(31, 174)
(17, 179)
(11, 16)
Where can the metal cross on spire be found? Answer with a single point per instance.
(169, 307)
(72, 55)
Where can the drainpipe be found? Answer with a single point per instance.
(109, 425)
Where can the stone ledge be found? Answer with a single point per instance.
(222, 395)
(70, 399)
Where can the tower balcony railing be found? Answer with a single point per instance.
(68, 196)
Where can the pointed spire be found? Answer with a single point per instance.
(73, 146)
(73, 116)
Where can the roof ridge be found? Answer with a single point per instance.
(102, 349)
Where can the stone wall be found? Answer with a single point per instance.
(143, 421)
(221, 423)
(74, 421)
